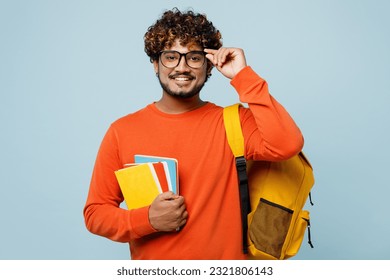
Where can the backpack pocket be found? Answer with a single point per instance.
(269, 227)
(298, 233)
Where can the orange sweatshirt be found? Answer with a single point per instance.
(208, 179)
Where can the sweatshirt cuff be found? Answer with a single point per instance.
(139, 219)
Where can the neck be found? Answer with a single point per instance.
(173, 105)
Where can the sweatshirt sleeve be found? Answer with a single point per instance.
(102, 213)
(269, 131)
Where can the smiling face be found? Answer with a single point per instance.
(181, 81)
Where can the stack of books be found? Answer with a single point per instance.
(147, 177)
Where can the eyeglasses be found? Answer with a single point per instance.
(171, 59)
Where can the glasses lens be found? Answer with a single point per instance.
(171, 59)
(195, 59)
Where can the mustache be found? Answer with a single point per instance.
(187, 75)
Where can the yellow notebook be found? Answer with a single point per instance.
(172, 165)
(139, 185)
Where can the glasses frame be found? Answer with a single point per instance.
(185, 58)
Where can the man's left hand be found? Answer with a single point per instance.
(228, 61)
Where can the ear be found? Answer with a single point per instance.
(210, 67)
(155, 66)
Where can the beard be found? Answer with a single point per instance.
(183, 94)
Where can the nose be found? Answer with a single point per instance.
(182, 66)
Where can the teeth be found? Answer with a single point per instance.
(182, 79)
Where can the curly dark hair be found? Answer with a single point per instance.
(188, 27)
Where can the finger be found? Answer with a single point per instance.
(223, 56)
(185, 215)
(210, 57)
(177, 205)
(217, 57)
(220, 56)
(179, 200)
(183, 222)
(168, 195)
(213, 59)
(182, 209)
(210, 54)
(210, 51)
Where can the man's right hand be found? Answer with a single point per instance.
(168, 212)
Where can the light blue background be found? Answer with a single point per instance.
(70, 68)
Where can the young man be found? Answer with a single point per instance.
(203, 222)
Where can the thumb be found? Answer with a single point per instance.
(168, 195)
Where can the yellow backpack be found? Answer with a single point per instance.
(276, 192)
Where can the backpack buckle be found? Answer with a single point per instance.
(241, 170)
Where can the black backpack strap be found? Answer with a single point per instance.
(235, 139)
(244, 199)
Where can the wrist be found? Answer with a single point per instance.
(139, 219)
